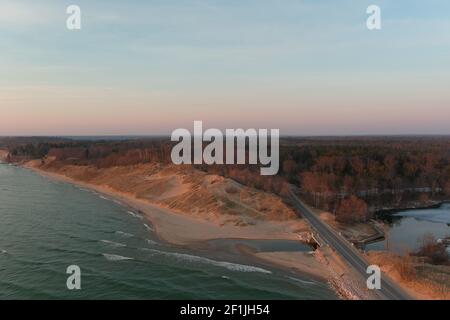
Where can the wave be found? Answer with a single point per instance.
(152, 243)
(3, 251)
(196, 259)
(124, 234)
(302, 281)
(115, 257)
(148, 227)
(115, 244)
(134, 214)
(104, 198)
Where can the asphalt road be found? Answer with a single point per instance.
(389, 290)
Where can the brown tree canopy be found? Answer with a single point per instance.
(352, 210)
(383, 171)
(434, 251)
(447, 188)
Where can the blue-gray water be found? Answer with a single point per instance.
(410, 226)
(46, 225)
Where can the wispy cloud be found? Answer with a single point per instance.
(25, 13)
(163, 62)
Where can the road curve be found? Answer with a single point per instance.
(389, 290)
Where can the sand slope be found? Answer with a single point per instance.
(216, 206)
(3, 155)
(184, 190)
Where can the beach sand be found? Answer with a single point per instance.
(179, 229)
(3, 155)
(182, 230)
(303, 262)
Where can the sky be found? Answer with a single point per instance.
(306, 67)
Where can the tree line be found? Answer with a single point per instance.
(350, 177)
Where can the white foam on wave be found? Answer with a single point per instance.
(115, 257)
(104, 198)
(124, 234)
(152, 243)
(112, 243)
(148, 227)
(3, 251)
(302, 281)
(228, 265)
(134, 214)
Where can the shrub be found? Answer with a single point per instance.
(433, 251)
(352, 210)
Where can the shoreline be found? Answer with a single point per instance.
(155, 214)
(387, 213)
(179, 230)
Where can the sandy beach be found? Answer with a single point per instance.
(182, 230)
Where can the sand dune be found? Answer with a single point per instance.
(186, 205)
(184, 190)
(3, 155)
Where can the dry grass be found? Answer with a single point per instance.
(404, 266)
(422, 280)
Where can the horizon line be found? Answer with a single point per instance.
(162, 135)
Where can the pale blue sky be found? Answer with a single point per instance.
(306, 67)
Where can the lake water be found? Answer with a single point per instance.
(46, 225)
(409, 227)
